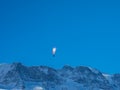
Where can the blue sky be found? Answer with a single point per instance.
(85, 32)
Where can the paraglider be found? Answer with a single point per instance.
(54, 51)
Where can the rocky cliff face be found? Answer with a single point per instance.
(19, 77)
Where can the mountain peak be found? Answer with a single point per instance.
(17, 64)
(67, 67)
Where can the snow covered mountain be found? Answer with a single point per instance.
(16, 76)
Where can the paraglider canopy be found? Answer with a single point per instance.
(53, 51)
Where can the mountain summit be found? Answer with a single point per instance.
(16, 76)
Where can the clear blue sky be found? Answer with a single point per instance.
(85, 32)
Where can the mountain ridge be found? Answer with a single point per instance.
(18, 76)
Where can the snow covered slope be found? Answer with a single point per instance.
(16, 76)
